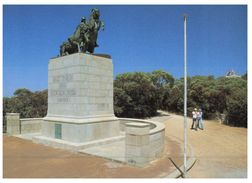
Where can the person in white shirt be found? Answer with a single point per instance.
(194, 118)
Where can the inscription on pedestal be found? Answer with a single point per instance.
(62, 93)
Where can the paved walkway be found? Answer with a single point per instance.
(113, 151)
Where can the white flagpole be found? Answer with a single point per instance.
(185, 100)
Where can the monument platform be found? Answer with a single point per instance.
(80, 100)
(114, 151)
(80, 114)
(73, 146)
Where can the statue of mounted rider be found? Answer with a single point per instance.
(85, 36)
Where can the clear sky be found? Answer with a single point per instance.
(139, 38)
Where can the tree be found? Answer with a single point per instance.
(161, 78)
(174, 99)
(122, 102)
(162, 81)
(201, 92)
(237, 109)
(27, 103)
(138, 93)
(39, 103)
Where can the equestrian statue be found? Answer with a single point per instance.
(85, 36)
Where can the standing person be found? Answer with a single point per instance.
(194, 118)
(200, 121)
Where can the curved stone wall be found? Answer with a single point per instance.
(151, 146)
(154, 126)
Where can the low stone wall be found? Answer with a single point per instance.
(153, 145)
(30, 125)
(12, 123)
(16, 126)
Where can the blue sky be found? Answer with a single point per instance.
(139, 38)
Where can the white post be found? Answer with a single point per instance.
(185, 100)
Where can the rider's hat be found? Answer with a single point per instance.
(83, 18)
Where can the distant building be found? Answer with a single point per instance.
(232, 74)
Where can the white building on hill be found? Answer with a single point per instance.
(232, 74)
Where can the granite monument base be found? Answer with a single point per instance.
(80, 100)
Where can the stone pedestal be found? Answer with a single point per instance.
(80, 99)
(13, 123)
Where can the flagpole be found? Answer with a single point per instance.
(185, 100)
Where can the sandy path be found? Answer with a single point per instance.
(221, 151)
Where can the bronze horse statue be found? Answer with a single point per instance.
(85, 36)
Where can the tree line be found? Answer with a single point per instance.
(141, 94)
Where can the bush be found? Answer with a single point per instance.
(134, 95)
(221, 95)
(27, 103)
(237, 108)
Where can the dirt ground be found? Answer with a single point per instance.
(24, 159)
(221, 151)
